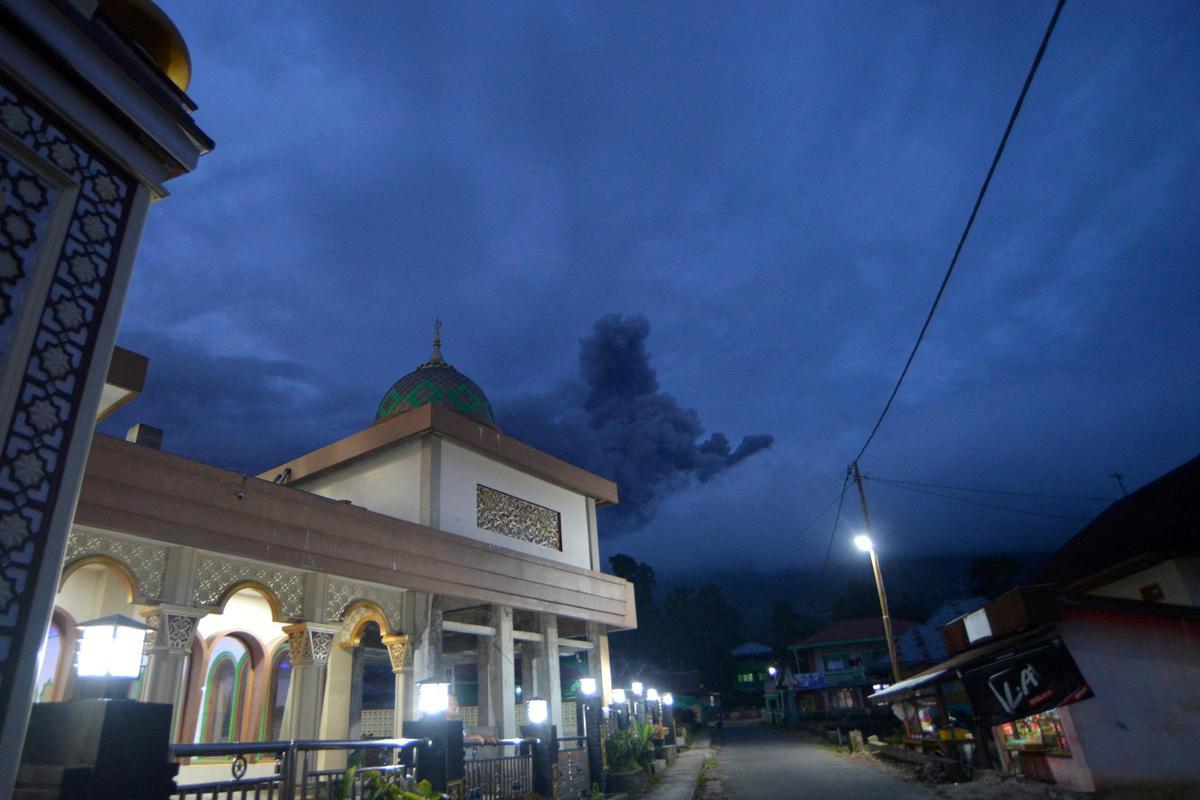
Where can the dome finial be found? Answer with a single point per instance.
(435, 358)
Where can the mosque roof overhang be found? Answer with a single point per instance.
(125, 379)
(464, 430)
(144, 492)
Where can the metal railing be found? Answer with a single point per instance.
(503, 777)
(295, 776)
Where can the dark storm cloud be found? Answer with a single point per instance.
(777, 188)
(242, 412)
(614, 421)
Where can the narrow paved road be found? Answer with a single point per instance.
(759, 762)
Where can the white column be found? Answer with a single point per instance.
(310, 644)
(549, 680)
(502, 684)
(168, 646)
(598, 663)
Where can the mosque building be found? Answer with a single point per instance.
(309, 601)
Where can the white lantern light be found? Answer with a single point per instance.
(772, 671)
(863, 542)
(587, 686)
(652, 694)
(111, 647)
(433, 698)
(618, 695)
(636, 687)
(668, 699)
(537, 710)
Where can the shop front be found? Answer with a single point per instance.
(1011, 694)
(1023, 696)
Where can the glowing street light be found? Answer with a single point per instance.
(864, 543)
(618, 696)
(587, 686)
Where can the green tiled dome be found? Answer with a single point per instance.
(436, 382)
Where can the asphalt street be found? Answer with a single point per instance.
(759, 762)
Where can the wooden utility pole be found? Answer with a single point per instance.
(883, 604)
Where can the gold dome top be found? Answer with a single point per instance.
(149, 27)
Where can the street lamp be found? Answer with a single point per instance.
(110, 654)
(636, 688)
(864, 543)
(652, 704)
(668, 703)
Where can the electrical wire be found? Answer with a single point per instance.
(988, 505)
(1012, 119)
(813, 521)
(896, 482)
(836, 518)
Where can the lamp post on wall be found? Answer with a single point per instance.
(114, 746)
(668, 703)
(621, 706)
(545, 745)
(652, 705)
(864, 543)
(110, 656)
(441, 761)
(636, 689)
(587, 720)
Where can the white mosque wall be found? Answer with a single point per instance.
(388, 482)
(462, 470)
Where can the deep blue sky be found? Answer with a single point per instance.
(775, 189)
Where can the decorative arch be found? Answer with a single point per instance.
(355, 618)
(122, 570)
(267, 593)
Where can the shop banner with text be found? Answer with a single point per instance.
(1031, 680)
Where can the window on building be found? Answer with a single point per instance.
(841, 698)
(281, 679)
(225, 691)
(836, 661)
(1041, 733)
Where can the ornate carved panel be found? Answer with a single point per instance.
(399, 651)
(340, 595)
(215, 575)
(51, 374)
(502, 513)
(146, 560)
(26, 201)
(309, 644)
(170, 630)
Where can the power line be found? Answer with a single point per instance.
(836, 518)
(1012, 119)
(811, 522)
(897, 482)
(987, 505)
